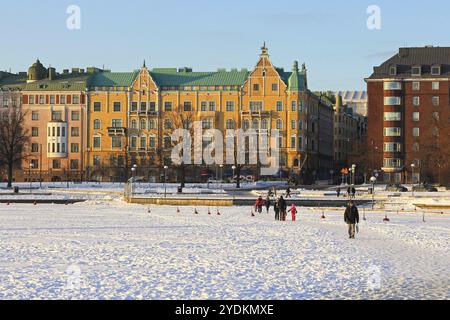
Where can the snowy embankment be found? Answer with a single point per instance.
(99, 250)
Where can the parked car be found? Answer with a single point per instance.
(397, 188)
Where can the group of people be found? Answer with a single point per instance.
(279, 207)
(351, 215)
(351, 192)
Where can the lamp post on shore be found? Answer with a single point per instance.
(165, 177)
(373, 180)
(413, 166)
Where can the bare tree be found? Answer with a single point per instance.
(13, 139)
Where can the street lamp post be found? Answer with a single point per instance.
(165, 176)
(353, 174)
(413, 166)
(133, 170)
(221, 173)
(373, 180)
(29, 175)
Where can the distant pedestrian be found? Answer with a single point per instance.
(353, 192)
(268, 203)
(288, 193)
(351, 218)
(276, 208)
(283, 208)
(259, 204)
(293, 211)
(349, 192)
(338, 192)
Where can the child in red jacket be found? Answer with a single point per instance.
(293, 211)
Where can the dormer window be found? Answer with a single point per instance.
(436, 70)
(393, 71)
(416, 71)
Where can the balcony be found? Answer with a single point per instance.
(116, 131)
(256, 113)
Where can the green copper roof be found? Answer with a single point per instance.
(62, 82)
(112, 79)
(168, 78)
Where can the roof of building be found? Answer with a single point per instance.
(9, 81)
(426, 57)
(352, 96)
(112, 79)
(172, 77)
(61, 82)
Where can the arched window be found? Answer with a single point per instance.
(230, 124)
(151, 124)
(255, 124)
(279, 124)
(143, 124)
(133, 124)
(97, 124)
(246, 125)
(264, 124)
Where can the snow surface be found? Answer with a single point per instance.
(110, 250)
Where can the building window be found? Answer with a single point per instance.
(279, 106)
(436, 101)
(34, 147)
(392, 163)
(264, 124)
(230, 106)
(391, 85)
(151, 124)
(142, 124)
(392, 101)
(274, 86)
(74, 164)
(75, 115)
(416, 101)
(134, 106)
(416, 86)
(152, 142)
(167, 142)
(34, 131)
(230, 124)
(293, 142)
(143, 107)
(97, 124)
(416, 132)
(416, 116)
(75, 132)
(52, 99)
(41, 99)
(293, 106)
(255, 124)
(207, 123)
(256, 106)
(203, 106)
(246, 124)
(133, 142)
(436, 71)
(212, 106)
(56, 116)
(167, 124)
(116, 123)
(97, 107)
(143, 143)
(392, 147)
(293, 124)
(116, 142)
(435, 116)
(392, 132)
(168, 106)
(435, 85)
(279, 124)
(255, 87)
(152, 107)
(75, 99)
(416, 71)
(35, 116)
(56, 164)
(74, 147)
(31, 99)
(116, 106)
(187, 106)
(392, 116)
(393, 71)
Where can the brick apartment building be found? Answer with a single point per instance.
(409, 116)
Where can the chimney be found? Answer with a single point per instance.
(66, 71)
(51, 74)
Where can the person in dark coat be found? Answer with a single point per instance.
(349, 192)
(353, 192)
(277, 211)
(338, 192)
(283, 208)
(351, 218)
(288, 193)
(268, 203)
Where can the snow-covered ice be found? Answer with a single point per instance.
(110, 250)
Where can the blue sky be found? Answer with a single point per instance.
(331, 37)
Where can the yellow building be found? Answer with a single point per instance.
(132, 115)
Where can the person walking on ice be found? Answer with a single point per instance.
(293, 211)
(351, 218)
(268, 203)
(259, 204)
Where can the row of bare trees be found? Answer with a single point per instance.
(14, 137)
